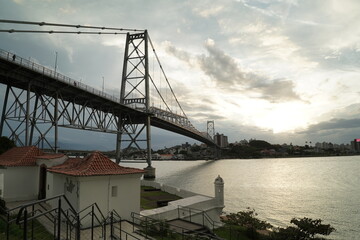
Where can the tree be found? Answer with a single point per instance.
(247, 219)
(306, 229)
(6, 144)
(260, 144)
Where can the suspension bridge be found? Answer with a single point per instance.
(38, 100)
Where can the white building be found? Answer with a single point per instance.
(21, 170)
(27, 173)
(96, 178)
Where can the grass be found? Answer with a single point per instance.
(15, 232)
(149, 199)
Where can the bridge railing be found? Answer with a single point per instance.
(53, 74)
(177, 119)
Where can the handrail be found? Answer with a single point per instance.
(41, 201)
(35, 209)
(97, 207)
(18, 221)
(127, 234)
(199, 211)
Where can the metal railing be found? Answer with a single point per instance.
(54, 74)
(191, 213)
(160, 229)
(39, 218)
(56, 218)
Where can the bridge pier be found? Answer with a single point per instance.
(149, 172)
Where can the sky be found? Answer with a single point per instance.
(283, 71)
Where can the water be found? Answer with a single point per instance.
(278, 189)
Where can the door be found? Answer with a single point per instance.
(42, 182)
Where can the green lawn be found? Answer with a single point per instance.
(15, 232)
(149, 199)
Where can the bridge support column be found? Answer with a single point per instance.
(118, 140)
(33, 121)
(150, 171)
(56, 119)
(4, 110)
(27, 117)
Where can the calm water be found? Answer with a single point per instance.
(278, 189)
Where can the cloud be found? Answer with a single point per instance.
(180, 54)
(333, 125)
(67, 10)
(279, 90)
(208, 11)
(18, 1)
(228, 75)
(207, 116)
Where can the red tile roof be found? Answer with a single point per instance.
(96, 164)
(50, 156)
(20, 156)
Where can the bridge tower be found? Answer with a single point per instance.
(211, 130)
(135, 93)
(211, 135)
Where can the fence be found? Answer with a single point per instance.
(39, 220)
(197, 216)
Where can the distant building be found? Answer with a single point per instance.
(221, 140)
(355, 145)
(166, 156)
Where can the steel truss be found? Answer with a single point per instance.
(33, 118)
(135, 93)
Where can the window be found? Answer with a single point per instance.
(114, 191)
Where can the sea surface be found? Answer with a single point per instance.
(278, 189)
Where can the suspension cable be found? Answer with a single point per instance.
(162, 70)
(53, 31)
(69, 25)
(157, 90)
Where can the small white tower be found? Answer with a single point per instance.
(219, 191)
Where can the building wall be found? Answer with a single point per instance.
(118, 192)
(85, 191)
(20, 183)
(58, 184)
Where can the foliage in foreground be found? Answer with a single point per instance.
(305, 228)
(6, 144)
(245, 225)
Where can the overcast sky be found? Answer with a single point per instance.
(278, 70)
